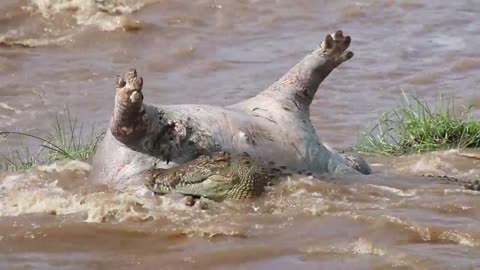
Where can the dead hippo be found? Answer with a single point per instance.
(274, 126)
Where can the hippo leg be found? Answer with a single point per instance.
(286, 102)
(150, 129)
(295, 90)
(129, 121)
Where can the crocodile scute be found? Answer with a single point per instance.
(217, 177)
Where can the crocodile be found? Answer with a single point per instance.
(142, 135)
(217, 177)
(222, 176)
(238, 177)
(449, 180)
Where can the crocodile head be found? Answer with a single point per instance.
(218, 177)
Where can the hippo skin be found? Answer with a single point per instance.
(273, 126)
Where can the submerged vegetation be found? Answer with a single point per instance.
(415, 127)
(68, 139)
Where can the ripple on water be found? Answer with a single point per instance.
(465, 65)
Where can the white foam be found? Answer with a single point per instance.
(71, 165)
(89, 12)
(395, 191)
(10, 108)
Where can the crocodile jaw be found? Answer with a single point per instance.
(215, 187)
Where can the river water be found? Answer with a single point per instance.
(66, 53)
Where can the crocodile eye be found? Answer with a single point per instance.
(246, 162)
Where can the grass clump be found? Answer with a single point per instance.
(68, 139)
(415, 127)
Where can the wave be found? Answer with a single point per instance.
(57, 22)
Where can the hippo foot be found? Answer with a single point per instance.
(129, 118)
(129, 89)
(334, 47)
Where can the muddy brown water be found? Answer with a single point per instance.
(66, 53)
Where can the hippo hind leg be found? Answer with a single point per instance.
(129, 120)
(295, 90)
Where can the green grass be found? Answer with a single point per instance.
(415, 127)
(68, 139)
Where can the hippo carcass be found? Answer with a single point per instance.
(274, 126)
